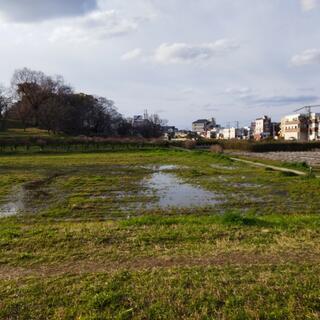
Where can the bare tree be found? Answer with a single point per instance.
(33, 88)
(53, 109)
(48, 103)
(4, 106)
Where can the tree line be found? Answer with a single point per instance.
(37, 100)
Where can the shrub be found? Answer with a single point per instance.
(216, 148)
(189, 144)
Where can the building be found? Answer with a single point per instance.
(138, 121)
(169, 132)
(184, 135)
(275, 130)
(314, 124)
(169, 129)
(247, 133)
(262, 128)
(213, 133)
(201, 126)
(295, 127)
(231, 133)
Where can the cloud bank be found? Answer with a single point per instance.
(283, 100)
(39, 10)
(98, 25)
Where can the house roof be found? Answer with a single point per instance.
(201, 121)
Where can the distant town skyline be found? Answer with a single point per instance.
(184, 59)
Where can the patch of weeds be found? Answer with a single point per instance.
(197, 173)
(113, 300)
(288, 174)
(26, 256)
(296, 165)
(223, 158)
(238, 219)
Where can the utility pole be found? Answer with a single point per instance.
(145, 115)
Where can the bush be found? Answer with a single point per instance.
(189, 144)
(216, 148)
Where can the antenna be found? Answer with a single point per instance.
(308, 109)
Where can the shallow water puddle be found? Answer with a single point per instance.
(173, 192)
(166, 167)
(221, 167)
(14, 206)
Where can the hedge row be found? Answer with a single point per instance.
(88, 143)
(263, 146)
(83, 143)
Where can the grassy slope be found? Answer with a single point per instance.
(79, 256)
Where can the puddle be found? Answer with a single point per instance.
(30, 197)
(173, 192)
(217, 166)
(14, 206)
(246, 185)
(166, 167)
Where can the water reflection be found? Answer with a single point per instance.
(14, 206)
(173, 192)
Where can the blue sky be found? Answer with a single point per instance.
(184, 59)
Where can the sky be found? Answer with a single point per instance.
(234, 60)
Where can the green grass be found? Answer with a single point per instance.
(20, 133)
(87, 246)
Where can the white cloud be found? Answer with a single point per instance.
(308, 5)
(132, 55)
(188, 91)
(255, 98)
(98, 25)
(310, 56)
(243, 92)
(186, 53)
(285, 100)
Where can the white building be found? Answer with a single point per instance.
(314, 125)
(231, 133)
(213, 133)
(295, 127)
(262, 128)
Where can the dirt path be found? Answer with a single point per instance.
(312, 158)
(151, 263)
(258, 164)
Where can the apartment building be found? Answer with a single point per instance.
(231, 133)
(296, 127)
(314, 124)
(262, 128)
(201, 126)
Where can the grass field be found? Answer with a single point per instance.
(93, 239)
